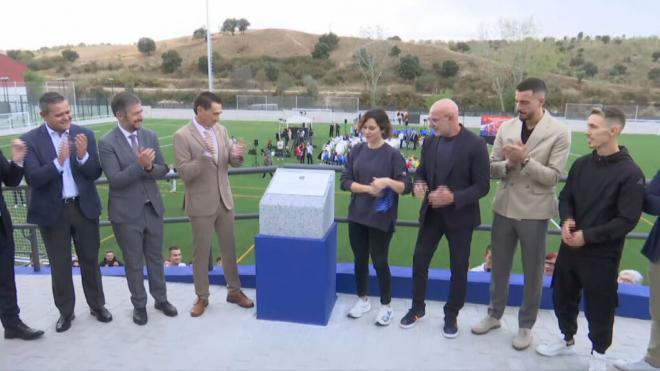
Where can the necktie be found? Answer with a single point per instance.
(134, 143)
(64, 141)
(208, 139)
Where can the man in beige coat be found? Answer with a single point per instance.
(203, 152)
(528, 158)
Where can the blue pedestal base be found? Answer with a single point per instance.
(296, 278)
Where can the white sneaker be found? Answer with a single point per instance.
(640, 365)
(360, 307)
(385, 315)
(523, 339)
(486, 324)
(597, 362)
(558, 348)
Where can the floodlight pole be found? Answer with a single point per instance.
(209, 44)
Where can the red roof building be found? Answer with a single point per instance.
(12, 70)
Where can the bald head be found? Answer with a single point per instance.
(446, 107)
(443, 118)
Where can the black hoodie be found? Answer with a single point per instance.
(604, 195)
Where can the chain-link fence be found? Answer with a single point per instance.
(19, 103)
(17, 201)
(297, 103)
(580, 111)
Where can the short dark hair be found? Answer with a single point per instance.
(49, 98)
(611, 115)
(533, 84)
(381, 119)
(107, 251)
(121, 101)
(205, 99)
(174, 247)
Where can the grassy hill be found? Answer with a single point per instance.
(260, 61)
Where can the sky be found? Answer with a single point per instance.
(31, 24)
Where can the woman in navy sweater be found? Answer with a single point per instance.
(376, 175)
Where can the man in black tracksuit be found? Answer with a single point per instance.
(600, 203)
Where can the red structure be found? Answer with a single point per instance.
(12, 70)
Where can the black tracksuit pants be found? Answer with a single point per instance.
(577, 274)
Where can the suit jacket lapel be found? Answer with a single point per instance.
(50, 152)
(194, 133)
(430, 168)
(124, 146)
(539, 132)
(220, 145)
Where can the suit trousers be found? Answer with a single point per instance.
(203, 227)
(504, 239)
(8, 301)
(653, 352)
(57, 239)
(428, 237)
(139, 242)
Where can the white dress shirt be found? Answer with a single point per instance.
(69, 187)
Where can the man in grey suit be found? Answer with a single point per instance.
(133, 162)
(528, 158)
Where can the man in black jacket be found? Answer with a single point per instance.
(651, 250)
(452, 176)
(11, 174)
(600, 203)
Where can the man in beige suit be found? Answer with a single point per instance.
(528, 158)
(203, 154)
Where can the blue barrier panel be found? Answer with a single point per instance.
(633, 299)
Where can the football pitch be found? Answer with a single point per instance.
(248, 189)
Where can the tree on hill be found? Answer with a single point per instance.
(326, 43)
(229, 25)
(171, 61)
(460, 46)
(331, 39)
(203, 63)
(70, 55)
(395, 51)
(22, 56)
(656, 55)
(590, 69)
(409, 67)
(618, 70)
(199, 33)
(243, 25)
(321, 51)
(372, 59)
(654, 75)
(146, 45)
(449, 68)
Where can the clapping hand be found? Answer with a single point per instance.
(18, 150)
(146, 158)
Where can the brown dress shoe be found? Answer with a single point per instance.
(199, 307)
(238, 297)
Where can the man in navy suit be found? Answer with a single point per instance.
(11, 174)
(452, 176)
(61, 166)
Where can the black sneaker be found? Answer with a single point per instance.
(410, 318)
(450, 329)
